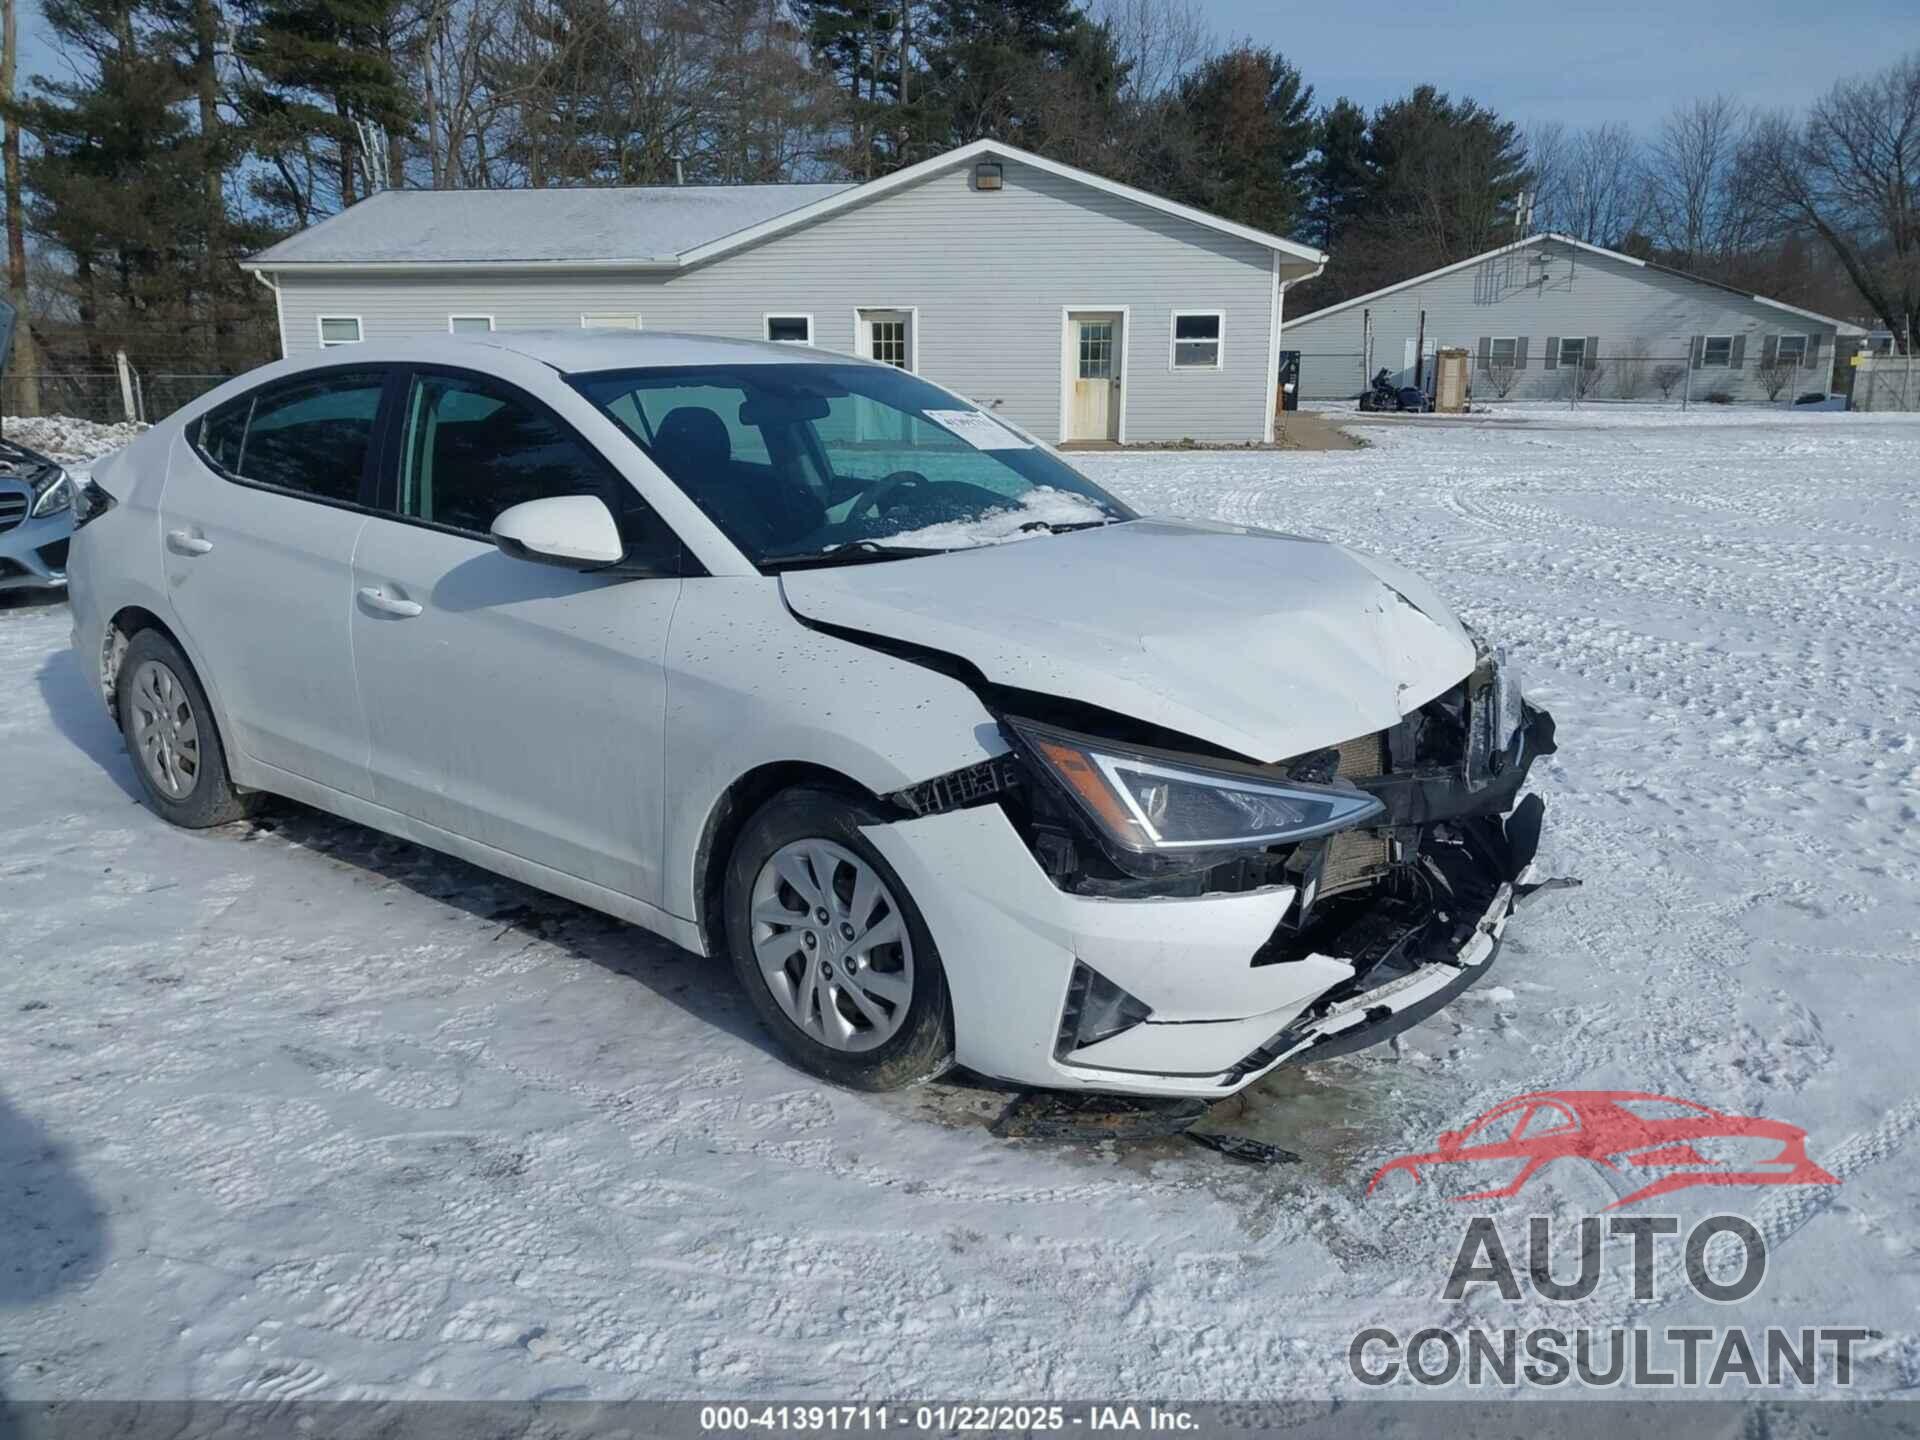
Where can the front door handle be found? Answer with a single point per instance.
(186, 543)
(377, 599)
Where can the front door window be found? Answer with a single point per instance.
(1096, 350)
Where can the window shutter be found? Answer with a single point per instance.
(1553, 352)
(1486, 354)
(1699, 346)
(1591, 358)
(1769, 351)
(1739, 357)
(1520, 353)
(1813, 352)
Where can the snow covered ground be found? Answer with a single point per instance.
(294, 1109)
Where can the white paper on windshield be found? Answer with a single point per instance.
(983, 432)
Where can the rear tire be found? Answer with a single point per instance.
(830, 947)
(171, 735)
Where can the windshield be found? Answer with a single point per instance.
(808, 461)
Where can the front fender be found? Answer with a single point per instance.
(749, 686)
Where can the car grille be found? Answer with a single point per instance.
(13, 508)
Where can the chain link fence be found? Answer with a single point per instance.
(1343, 376)
(1886, 382)
(99, 394)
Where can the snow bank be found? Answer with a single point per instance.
(65, 438)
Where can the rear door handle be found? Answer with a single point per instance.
(186, 543)
(377, 599)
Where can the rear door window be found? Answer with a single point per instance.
(308, 436)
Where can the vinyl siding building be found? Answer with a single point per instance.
(1080, 309)
(1550, 313)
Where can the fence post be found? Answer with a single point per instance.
(125, 371)
(1686, 394)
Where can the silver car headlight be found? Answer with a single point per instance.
(50, 496)
(1148, 802)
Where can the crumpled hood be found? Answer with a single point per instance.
(1268, 645)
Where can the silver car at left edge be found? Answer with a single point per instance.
(36, 519)
(802, 661)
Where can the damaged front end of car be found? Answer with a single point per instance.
(1405, 851)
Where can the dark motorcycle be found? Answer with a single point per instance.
(1386, 396)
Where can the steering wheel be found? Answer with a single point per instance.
(877, 494)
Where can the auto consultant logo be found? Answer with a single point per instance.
(1648, 1145)
(1645, 1145)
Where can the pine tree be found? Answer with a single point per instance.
(1250, 119)
(114, 180)
(1340, 178)
(988, 62)
(1448, 173)
(312, 69)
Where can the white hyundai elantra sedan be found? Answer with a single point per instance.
(804, 661)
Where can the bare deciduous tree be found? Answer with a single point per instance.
(1775, 378)
(1699, 209)
(1590, 184)
(1668, 378)
(1851, 172)
(1630, 370)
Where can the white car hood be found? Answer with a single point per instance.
(1268, 645)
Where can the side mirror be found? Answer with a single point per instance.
(576, 531)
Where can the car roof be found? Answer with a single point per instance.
(574, 352)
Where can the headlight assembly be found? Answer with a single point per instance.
(56, 494)
(1153, 803)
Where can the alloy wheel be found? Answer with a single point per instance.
(832, 943)
(166, 735)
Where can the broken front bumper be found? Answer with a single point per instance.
(1222, 990)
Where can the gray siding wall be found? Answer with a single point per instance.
(989, 273)
(1622, 305)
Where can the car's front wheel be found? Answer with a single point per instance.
(831, 948)
(170, 733)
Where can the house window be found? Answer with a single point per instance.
(1503, 352)
(1573, 352)
(1791, 350)
(609, 322)
(1717, 351)
(470, 324)
(339, 330)
(790, 329)
(1198, 339)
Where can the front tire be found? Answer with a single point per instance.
(831, 948)
(171, 735)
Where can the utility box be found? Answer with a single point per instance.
(1450, 379)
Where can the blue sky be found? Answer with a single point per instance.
(1583, 63)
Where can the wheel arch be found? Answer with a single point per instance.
(129, 620)
(730, 813)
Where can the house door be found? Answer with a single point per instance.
(887, 336)
(1093, 401)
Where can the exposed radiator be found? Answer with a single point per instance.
(1357, 857)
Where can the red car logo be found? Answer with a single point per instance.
(1680, 1144)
